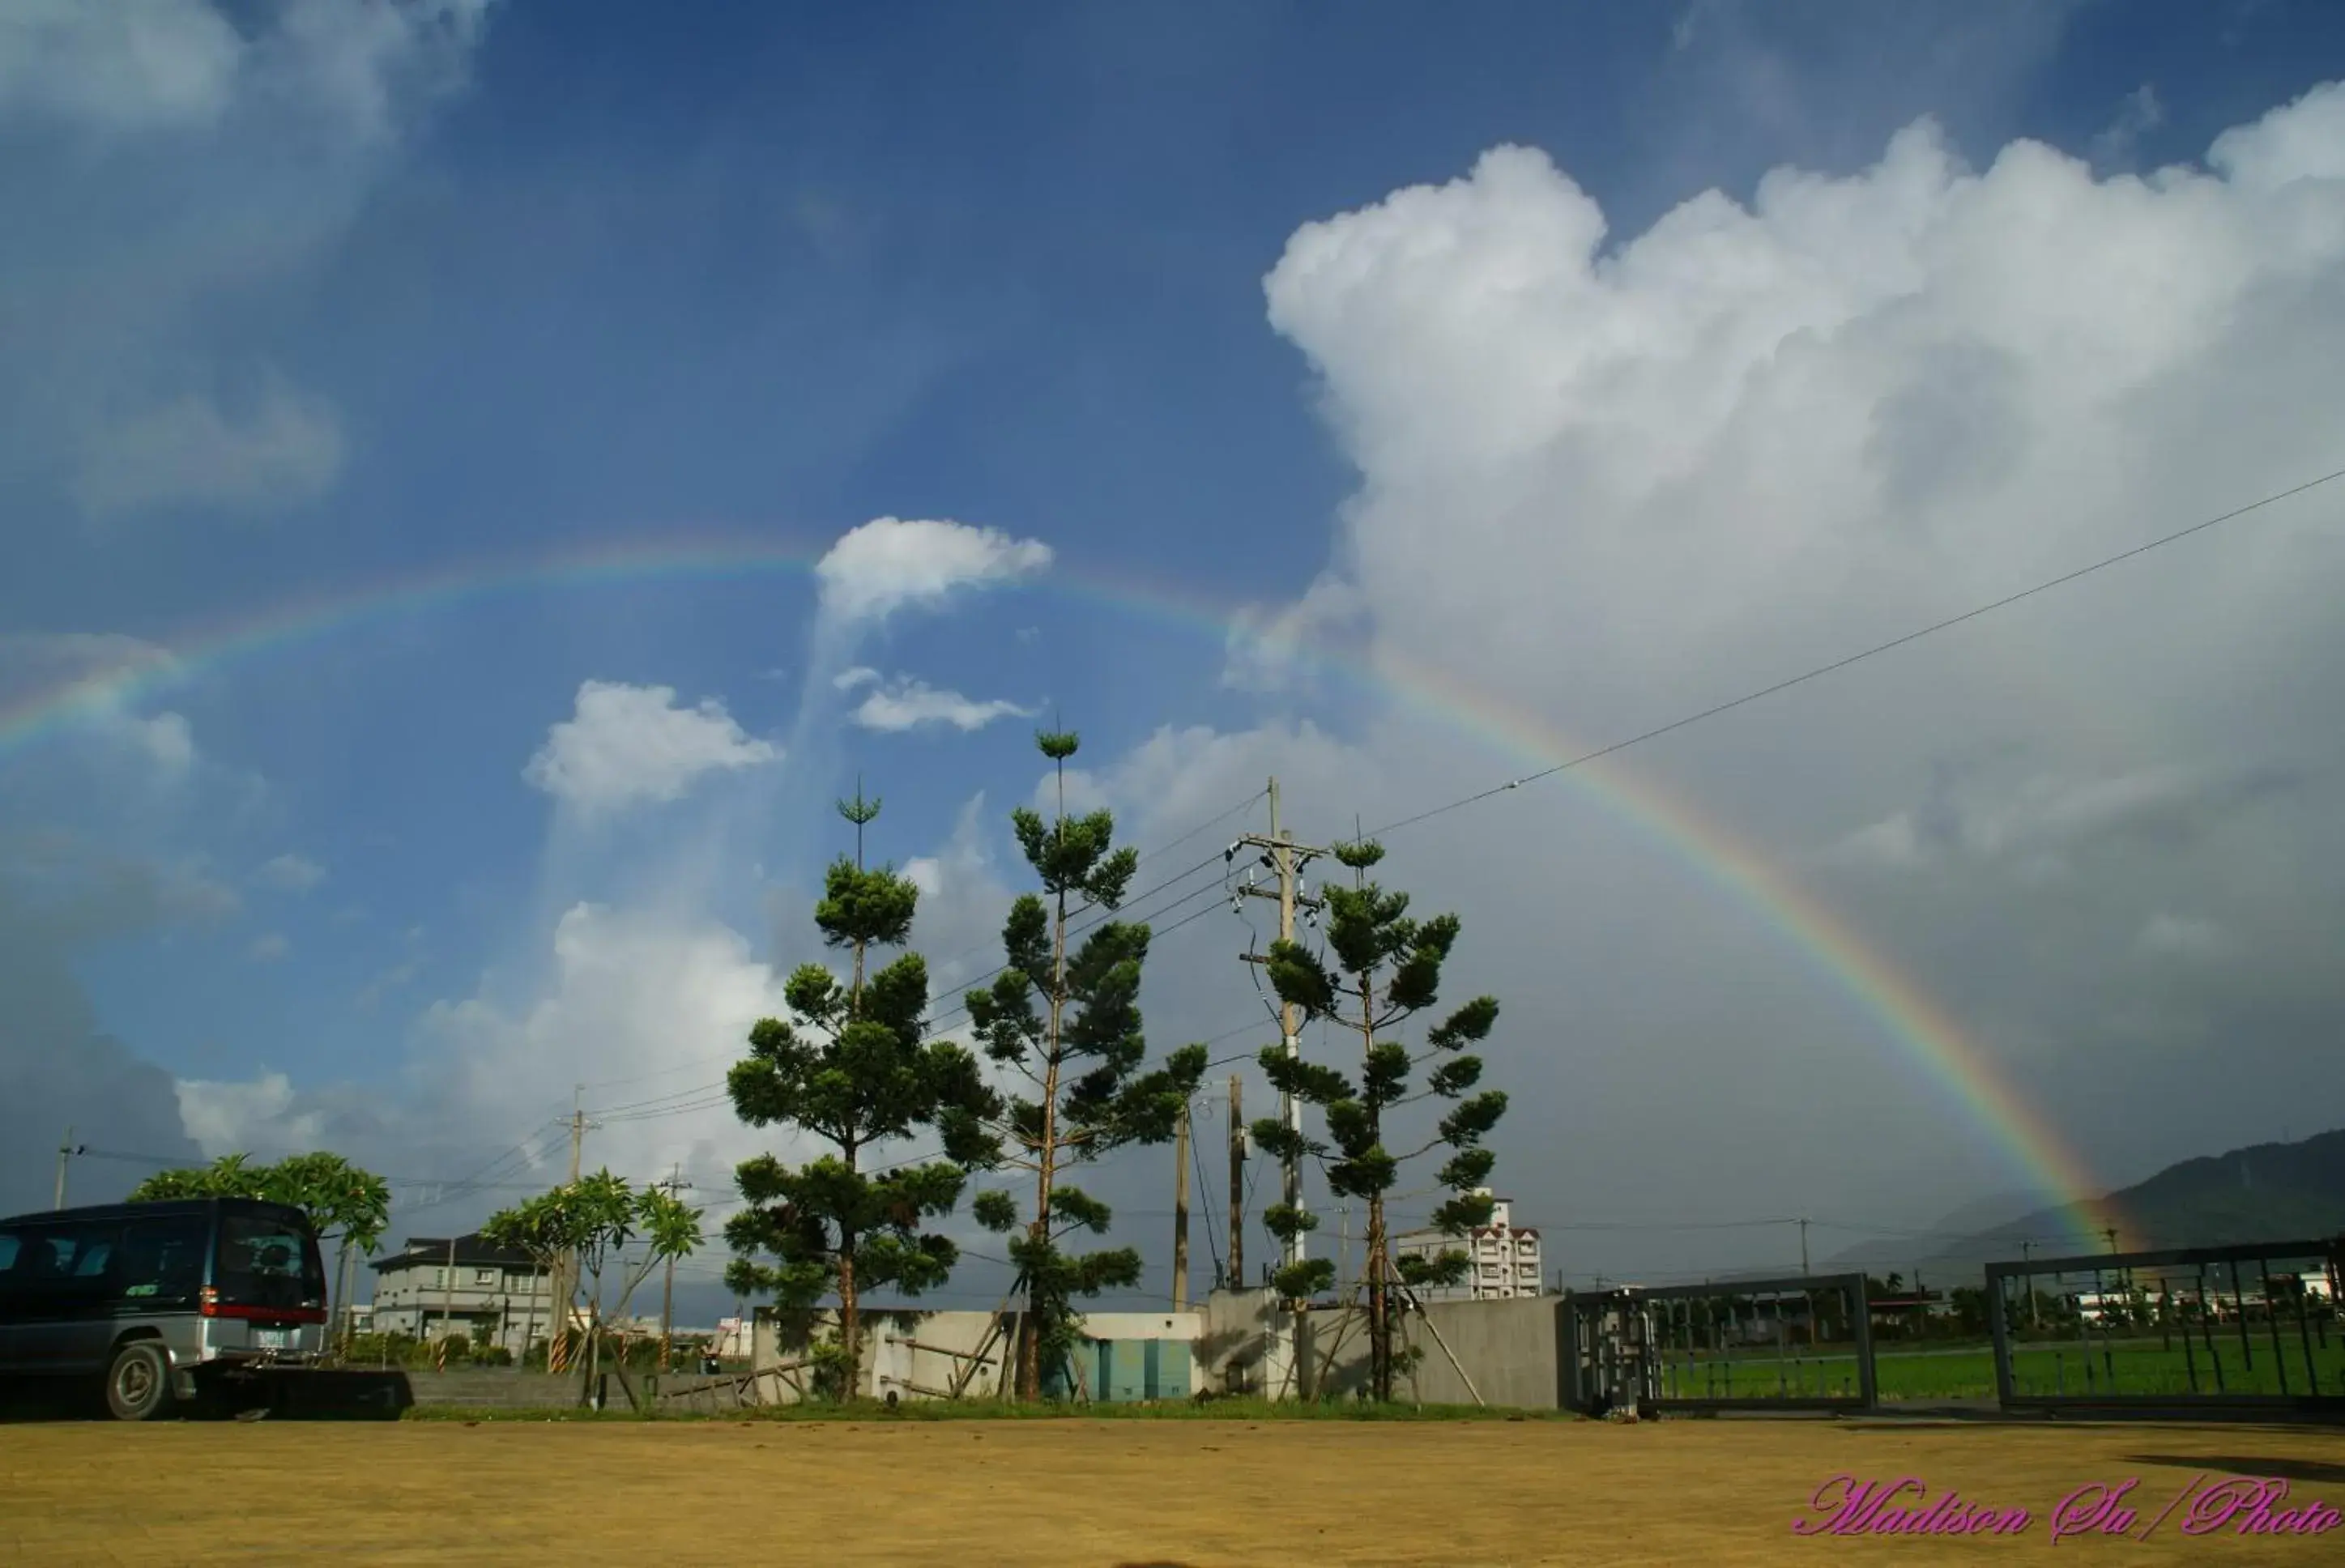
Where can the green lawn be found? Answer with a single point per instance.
(2136, 1366)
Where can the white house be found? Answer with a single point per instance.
(434, 1286)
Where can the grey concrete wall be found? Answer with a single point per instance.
(1509, 1349)
(1334, 1352)
(1234, 1348)
(499, 1389)
(919, 1355)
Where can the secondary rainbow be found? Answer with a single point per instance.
(1924, 1031)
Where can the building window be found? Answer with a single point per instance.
(439, 1279)
(485, 1277)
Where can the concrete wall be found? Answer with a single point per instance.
(1335, 1351)
(919, 1355)
(1243, 1343)
(1509, 1349)
(1240, 1341)
(498, 1389)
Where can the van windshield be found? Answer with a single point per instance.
(268, 1260)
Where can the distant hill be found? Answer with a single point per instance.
(2267, 1192)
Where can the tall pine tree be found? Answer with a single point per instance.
(1387, 968)
(853, 1070)
(1068, 1021)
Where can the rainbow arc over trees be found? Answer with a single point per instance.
(1921, 1029)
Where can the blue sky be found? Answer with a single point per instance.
(538, 277)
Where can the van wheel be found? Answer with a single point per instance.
(138, 1383)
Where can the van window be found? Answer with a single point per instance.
(8, 1244)
(160, 1261)
(269, 1261)
(60, 1269)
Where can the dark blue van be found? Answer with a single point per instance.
(155, 1302)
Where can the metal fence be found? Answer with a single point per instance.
(2243, 1330)
(1798, 1344)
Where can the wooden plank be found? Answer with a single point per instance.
(957, 1355)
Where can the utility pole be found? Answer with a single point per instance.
(66, 1151)
(675, 1185)
(1237, 1185)
(565, 1284)
(1803, 1247)
(1285, 859)
(1180, 1210)
(448, 1303)
(2034, 1313)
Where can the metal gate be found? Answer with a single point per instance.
(2249, 1329)
(1798, 1343)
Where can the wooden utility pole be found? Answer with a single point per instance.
(1287, 860)
(66, 1151)
(1180, 1210)
(675, 1184)
(1803, 1247)
(448, 1303)
(1237, 1184)
(564, 1283)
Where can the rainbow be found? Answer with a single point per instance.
(1923, 1032)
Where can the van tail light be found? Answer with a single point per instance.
(209, 1305)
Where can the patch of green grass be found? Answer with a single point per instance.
(2121, 1367)
(1222, 1409)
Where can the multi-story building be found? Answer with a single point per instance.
(1503, 1260)
(433, 1286)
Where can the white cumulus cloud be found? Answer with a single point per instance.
(627, 746)
(260, 1114)
(268, 949)
(890, 562)
(908, 702)
(1607, 479)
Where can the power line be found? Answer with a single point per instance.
(1145, 856)
(1838, 664)
(1127, 910)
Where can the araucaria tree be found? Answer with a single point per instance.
(853, 1070)
(1068, 1021)
(1385, 967)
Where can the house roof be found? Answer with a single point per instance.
(426, 1251)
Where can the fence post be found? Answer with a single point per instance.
(1999, 1330)
(1868, 1388)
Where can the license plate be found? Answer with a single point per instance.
(273, 1339)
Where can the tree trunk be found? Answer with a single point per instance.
(1046, 1166)
(1379, 1314)
(1379, 1265)
(592, 1361)
(850, 1316)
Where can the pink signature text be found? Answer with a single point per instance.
(2242, 1505)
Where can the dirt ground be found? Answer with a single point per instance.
(1072, 1493)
